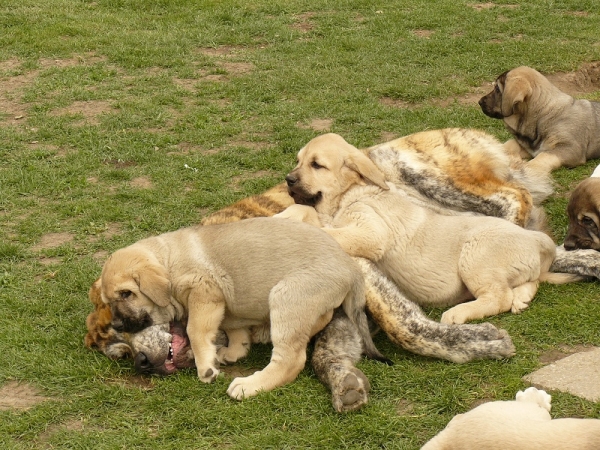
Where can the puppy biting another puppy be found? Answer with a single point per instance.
(256, 272)
(521, 424)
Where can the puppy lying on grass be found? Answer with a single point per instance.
(522, 424)
(258, 272)
(436, 260)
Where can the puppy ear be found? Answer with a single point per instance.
(516, 90)
(154, 283)
(360, 163)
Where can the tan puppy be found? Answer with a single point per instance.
(547, 124)
(584, 215)
(436, 260)
(521, 424)
(256, 272)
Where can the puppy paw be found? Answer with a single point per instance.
(537, 396)
(208, 374)
(352, 392)
(452, 317)
(244, 387)
(229, 355)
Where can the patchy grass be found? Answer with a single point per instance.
(120, 119)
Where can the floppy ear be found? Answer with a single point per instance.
(154, 283)
(361, 164)
(516, 90)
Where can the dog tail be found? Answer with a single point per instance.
(561, 278)
(539, 184)
(354, 306)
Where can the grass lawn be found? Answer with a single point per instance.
(121, 119)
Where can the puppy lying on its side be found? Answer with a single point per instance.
(436, 260)
(252, 273)
(522, 424)
(584, 215)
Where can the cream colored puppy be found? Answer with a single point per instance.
(436, 260)
(257, 272)
(522, 424)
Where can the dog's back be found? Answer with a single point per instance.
(515, 425)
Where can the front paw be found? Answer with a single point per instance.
(208, 374)
(230, 355)
(244, 387)
(453, 316)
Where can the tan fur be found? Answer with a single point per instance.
(549, 126)
(436, 260)
(256, 272)
(584, 216)
(522, 424)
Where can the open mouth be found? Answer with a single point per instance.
(302, 199)
(178, 355)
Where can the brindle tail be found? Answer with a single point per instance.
(354, 307)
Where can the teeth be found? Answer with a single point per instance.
(170, 357)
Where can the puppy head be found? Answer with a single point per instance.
(584, 216)
(327, 167)
(101, 335)
(512, 90)
(137, 289)
(537, 396)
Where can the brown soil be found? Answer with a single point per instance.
(14, 395)
(52, 240)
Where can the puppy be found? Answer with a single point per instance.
(548, 125)
(521, 424)
(584, 215)
(255, 272)
(436, 260)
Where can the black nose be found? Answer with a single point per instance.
(570, 244)
(481, 101)
(141, 362)
(291, 180)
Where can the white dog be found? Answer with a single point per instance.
(522, 424)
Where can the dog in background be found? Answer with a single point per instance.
(436, 260)
(521, 424)
(548, 125)
(584, 215)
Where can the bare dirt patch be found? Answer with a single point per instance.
(561, 352)
(222, 50)
(238, 68)
(90, 110)
(71, 425)
(583, 81)
(141, 183)
(302, 22)
(22, 396)
(52, 240)
(387, 136)
(318, 124)
(423, 33)
(490, 5)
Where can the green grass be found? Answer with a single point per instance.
(120, 119)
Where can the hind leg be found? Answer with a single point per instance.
(522, 296)
(337, 349)
(237, 347)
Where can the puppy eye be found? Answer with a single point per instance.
(587, 221)
(124, 294)
(316, 165)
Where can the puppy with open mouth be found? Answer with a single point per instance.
(253, 273)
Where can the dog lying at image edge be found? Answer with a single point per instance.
(548, 125)
(435, 259)
(583, 210)
(257, 272)
(522, 424)
(450, 170)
